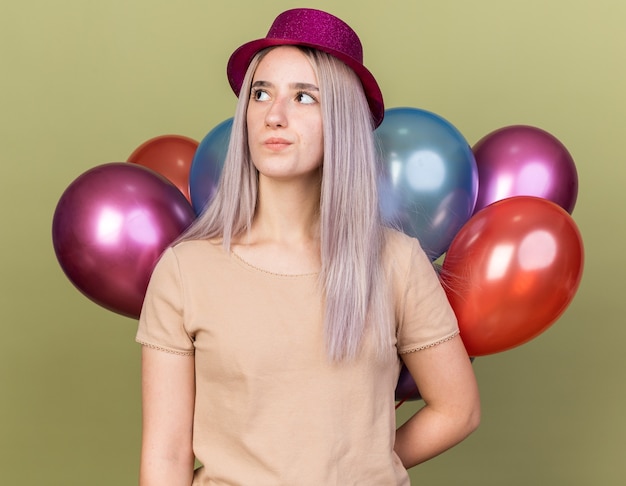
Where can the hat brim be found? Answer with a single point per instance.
(241, 58)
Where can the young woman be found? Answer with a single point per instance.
(273, 332)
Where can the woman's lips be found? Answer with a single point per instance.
(275, 143)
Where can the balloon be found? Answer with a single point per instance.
(170, 156)
(109, 228)
(406, 389)
(522, 160)
(429, 182)
(511, 271)
(207, 165)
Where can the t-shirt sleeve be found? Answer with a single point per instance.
(425, 315)
(161, 323)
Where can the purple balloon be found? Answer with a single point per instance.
(521, 160)
(406, 389)
(110, 227)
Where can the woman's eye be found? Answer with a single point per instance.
(260, 95)
(305, 98)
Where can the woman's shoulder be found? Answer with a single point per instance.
(404, 253)
(197, 248)
(399, 244)
(189, 259)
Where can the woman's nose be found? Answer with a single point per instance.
(276, 115)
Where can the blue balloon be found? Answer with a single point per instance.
(429, 180)
(207, 165)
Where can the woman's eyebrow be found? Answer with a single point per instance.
(261, 84)
(303, 86)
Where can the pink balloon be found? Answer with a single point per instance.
(110, 227)
(521, 160)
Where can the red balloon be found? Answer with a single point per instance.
(110, 227)
(170, 156)
(511, 271)
(521, 160)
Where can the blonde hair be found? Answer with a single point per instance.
(351, 232)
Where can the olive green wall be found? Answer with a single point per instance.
(85, 82)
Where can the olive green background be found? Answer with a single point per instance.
(84, 83)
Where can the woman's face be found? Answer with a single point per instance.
(284, 116)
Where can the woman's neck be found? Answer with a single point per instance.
(284, 237)
(287, 212)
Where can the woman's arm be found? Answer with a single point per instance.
(168, 389)
(446, 381)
